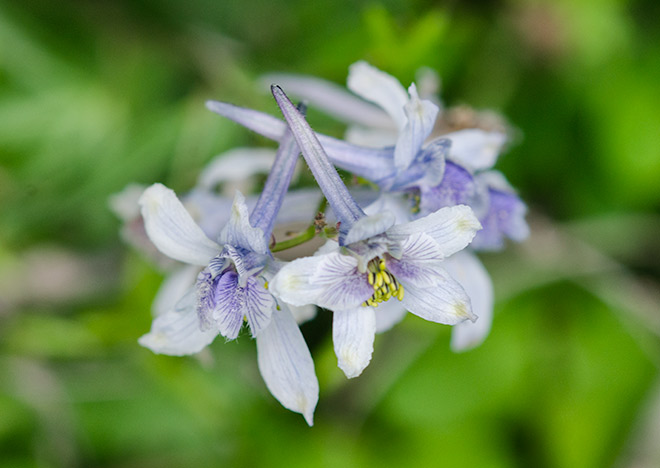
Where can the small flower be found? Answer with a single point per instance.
(232, 286)
(375, 261)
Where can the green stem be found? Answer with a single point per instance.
(304, 236)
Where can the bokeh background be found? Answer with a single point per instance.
(96, 95)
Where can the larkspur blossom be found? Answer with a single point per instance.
(232, 286)
(375, 260)
(447, 171)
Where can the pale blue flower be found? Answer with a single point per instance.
(375, 260)
(232, 287)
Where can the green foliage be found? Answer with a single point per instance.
(94, 96)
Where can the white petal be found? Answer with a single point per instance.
(370, 226)
(177, 333)
(287, 366)
(420, 260)
(331, 98)
(476, 149)
(353, 333)
(380, 88)
(331, 281)
(389, 314)
(173, 289)
(239, 233)
(236, 165)
(394, 203)
(445, 302)
(466, 268)
(420, 118)
(171, 228)
(453, 228)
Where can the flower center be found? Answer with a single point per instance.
(384, 283)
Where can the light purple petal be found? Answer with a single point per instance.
(177, 333)
(331, 99)
(380, 88)
(330, 280)
(466, 268)
(259, 122)
(505, 218)
(421, 259)
(476, 149)
(370, 226)
(171, 228)
(452, 228)
(420, 118)
(239, 233)
(444, 302)
(178, 283)
(353, 333)
(287, 366)
(236, 165)
(456, 188)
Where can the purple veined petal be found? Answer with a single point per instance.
(456, 188)
(375, 163)
(444, 302)
(178, 332)
(171, 228)
(389, 314)
(223, 306)
(286, 365)
(420, 119)
(330, 280)
(380, 88)
(453, 228)
(476, 149)
(235, 165)
(276, 186)
(353, 333)
(466, 268)
(421, 259)
(370, 226)
(233, 302)
(331, 99)
(239, 233)
(505, 218)
(346, 209)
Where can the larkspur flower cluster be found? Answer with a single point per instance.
(411, 248)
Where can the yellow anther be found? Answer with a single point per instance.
(379, 279)
(388, 295)
(371, 277)
(386, 278)
(399, 295)
(266, 285)
(393, 288)
(383, 290)
(381, 265)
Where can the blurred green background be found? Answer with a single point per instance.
(97, 94)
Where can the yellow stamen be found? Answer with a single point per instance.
(399, 296)
(371, 278)
(266, 285)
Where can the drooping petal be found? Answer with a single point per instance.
(420, 259)
(287, 366)
(173, 289)
(476, 149)
(466, 268)
(331, 281)
(171, 228)
(239, 233)
(389, 314)
(177, 332)
(453, 228)
(380, 88)
(332, 99)
(457, 187)
(420, 118)
(444, 302)
(369, 226)
(233, 302)
(353, 333)
(237, 165)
